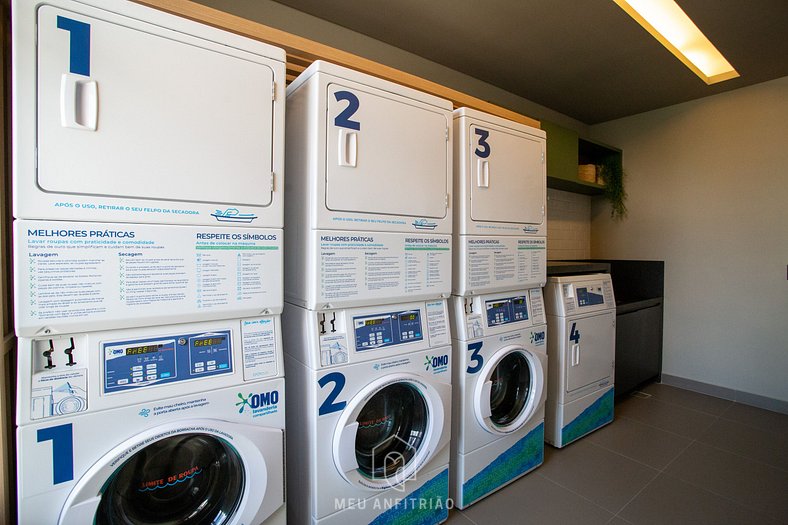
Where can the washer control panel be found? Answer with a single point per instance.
(388, 329)
(506, 310)
(167, 359)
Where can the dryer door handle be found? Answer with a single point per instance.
(345, 450)
(348, 148)
(81, 513)
(484, 402)
(575, 355)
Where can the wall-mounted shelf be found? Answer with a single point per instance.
(565, 151)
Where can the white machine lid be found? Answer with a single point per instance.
(385, 153)
(150, 113)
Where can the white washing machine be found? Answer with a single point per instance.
(176, 424)
(500, 226)
(500, 385)
(370, 414)
(581, 326)
(369, 178)
(123, 113)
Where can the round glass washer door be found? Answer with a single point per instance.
(184, 479)
(389, 430)
(509, 391)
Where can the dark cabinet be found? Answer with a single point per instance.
(638, 343)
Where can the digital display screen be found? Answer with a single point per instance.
(210, 341)
(373, 322)
(496, 305)
(139, 350)
(409, 317)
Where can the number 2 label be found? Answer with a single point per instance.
(343, 119)
(330, 405)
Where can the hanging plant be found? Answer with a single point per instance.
(612, 173)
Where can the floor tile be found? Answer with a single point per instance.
(762, 445)
(757, 417)
(670, 500)
(458, 518)
(535, 500)
(604, 477)
(617, 520)
(652, 446)
(687, 398)
(753, 484)
(672, 418)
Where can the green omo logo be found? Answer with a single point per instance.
(436, 362)
(254, 401)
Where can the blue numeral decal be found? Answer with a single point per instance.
(343, 119)
(329, 405)
(79, 45)
(574, 334)
(62, 440)
(484, 152)
(475, 357)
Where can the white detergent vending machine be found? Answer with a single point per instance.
(175, 424)
(369, 413)
(369, 180)
(581, 325)
(127, 114)
(500, 226)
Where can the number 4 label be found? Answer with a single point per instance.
(574, 334)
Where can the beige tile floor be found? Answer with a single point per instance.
(671, 456)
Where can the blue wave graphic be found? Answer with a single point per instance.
(157, 487)
(427, 505)
(526, 454)
(598, 413)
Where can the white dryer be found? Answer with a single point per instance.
(499, 381)
(581, 326)
(370, 434)
(123, 113)
(166, 424)
(369, 177)
(500, 226)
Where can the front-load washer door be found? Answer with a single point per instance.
(389, 430)
(510, 390)
(188, 475)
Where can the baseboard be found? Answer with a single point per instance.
(745, 398)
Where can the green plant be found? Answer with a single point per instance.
(612, 172)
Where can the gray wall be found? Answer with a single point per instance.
(288, 19)
(708, 193)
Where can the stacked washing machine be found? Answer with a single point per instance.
(367, 277)
(148, 268)
(497, 319)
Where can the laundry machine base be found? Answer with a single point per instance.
(425, 501)
(495, 465)
(568, 422)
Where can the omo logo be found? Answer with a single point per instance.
(438, 363)
(538, 338)
(255, 401)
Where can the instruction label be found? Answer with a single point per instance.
(356, 268)
(76, 276)
(259, 347)
(500, 263)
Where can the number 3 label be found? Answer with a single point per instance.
(483, 151)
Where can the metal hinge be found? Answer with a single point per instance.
(446, 201)
(273, 91)
(273, 178)
(447, 134)
(543, 157)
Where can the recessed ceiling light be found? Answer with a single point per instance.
(669, 24)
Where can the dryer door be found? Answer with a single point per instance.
(390, 429)
(510, 389)
(195, 473)
(590, 346)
